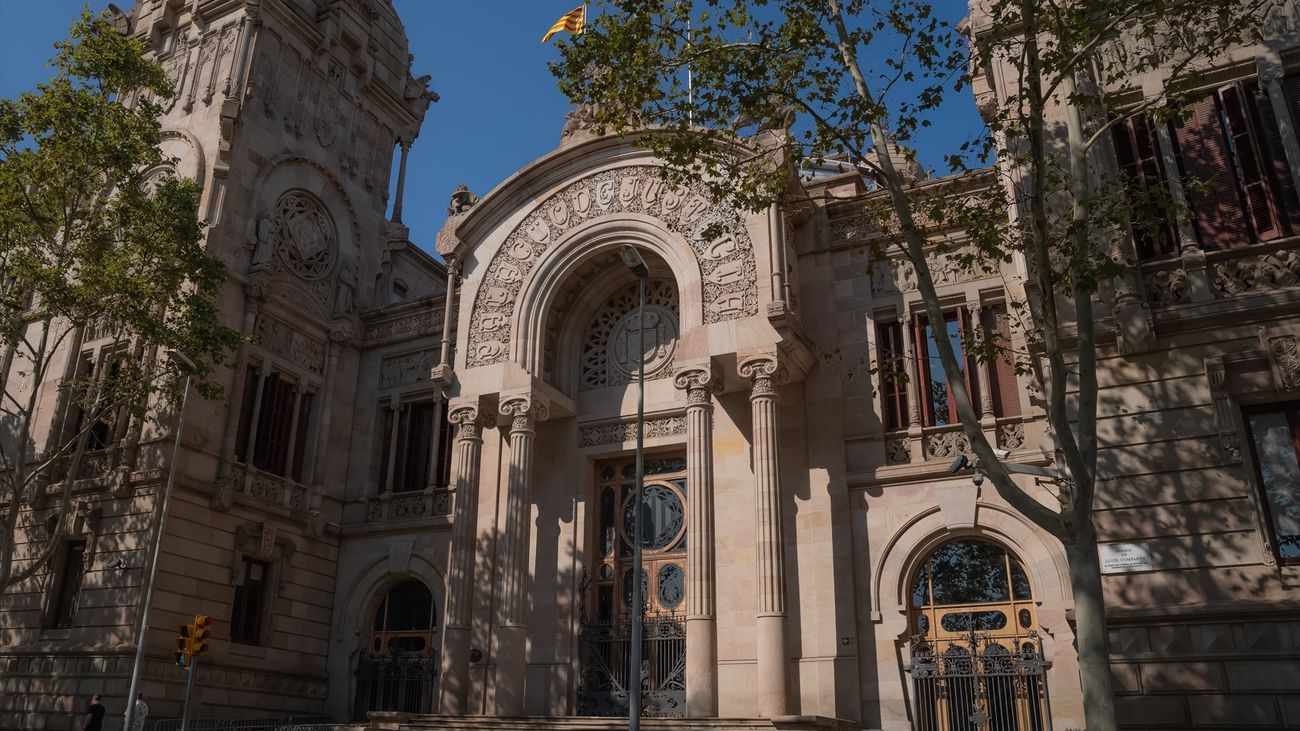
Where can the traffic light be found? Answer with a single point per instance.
(183, 645)
(199, 634)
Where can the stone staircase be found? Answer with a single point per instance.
(418, 722)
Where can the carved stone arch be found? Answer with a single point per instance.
(191, 164)
(402, 562)
(913, 542)
(599, 238)
(270, 184)
(724, 259)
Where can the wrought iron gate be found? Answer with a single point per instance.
(604, 648)
(396, 682)
(977, 683)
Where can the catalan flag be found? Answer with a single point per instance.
(571, 21)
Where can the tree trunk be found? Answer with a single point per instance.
(1090, 631)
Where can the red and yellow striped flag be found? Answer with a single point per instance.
(571, 21)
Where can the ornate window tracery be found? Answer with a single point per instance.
(613, 336)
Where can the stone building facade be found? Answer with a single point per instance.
(436, 519)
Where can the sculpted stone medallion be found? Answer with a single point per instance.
(613, 339)
(308, 241)
(657, 329)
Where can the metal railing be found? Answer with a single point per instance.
(239, 724)
(977, 683)
(397, 682)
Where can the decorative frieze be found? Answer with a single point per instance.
(726, 260)
(625, 431)
(290, 344)
(945, 444)
(858, 227)
(899, 274)
(423, 323)
(407, 369)
(1264, 271)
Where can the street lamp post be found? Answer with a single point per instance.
(147, 599)
(633, 260)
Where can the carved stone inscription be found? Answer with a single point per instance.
(726, 262)
(404, 370)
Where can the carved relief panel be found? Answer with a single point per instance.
(614, 336)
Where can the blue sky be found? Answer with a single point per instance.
(499, 109)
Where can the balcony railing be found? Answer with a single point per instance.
(427, 503)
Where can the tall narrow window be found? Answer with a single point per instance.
(1138, 151)
(276, 425)
(1232, 160)
(416, 461)
(939, 406)
(72, 570)
(1275, 440)
(250, 599)
(892, 365)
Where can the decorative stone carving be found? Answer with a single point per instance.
(345, 289)
(728, 270)
(898, 451)
(407, 369)
(625, 431)
(700, 383)
(858, 227)
(1224, 409)
(945, 445)
(765, 372)
(609, 347)
(470, 420)
(1284, 354)
(1256, 273)
(409, 505)
(1011, 436)
(1167, 287)
(524, 412)
(899, 275)
(427, 322)
(305, 238)
(291, 345)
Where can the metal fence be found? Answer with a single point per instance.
(238, 724)
(979, 684)
(604, 650)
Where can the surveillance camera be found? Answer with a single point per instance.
(977, 478)
(1001, 453)
(958, 464)
(117, 564)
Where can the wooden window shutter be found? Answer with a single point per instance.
(1251, 166)
(893, 392)
(1211, 183)
(1002, 371)
(1287, 203)
(1139, 158)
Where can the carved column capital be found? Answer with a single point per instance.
(765, 372)
(524, 411)
(699, 382)
(471, 420)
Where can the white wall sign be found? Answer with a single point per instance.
(1122, 558)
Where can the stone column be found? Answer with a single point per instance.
(766, 373)
(524, 412)
(453, 685)
(1270, 77)
(982, 378)
(700, 382)
(915, 389)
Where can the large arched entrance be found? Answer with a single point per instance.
(398, 667)
(977, 662)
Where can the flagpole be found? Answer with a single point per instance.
(690, 98)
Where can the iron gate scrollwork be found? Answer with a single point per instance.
(604, 647)
(977, 683)
(397, 681)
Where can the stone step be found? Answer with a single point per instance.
(429, 722)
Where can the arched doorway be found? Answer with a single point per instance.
(398, 667)
(976, 661)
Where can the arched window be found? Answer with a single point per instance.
(976, 661)
(399, 666)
